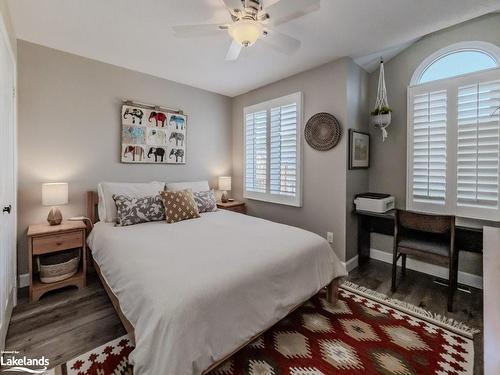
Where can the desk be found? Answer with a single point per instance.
(467, 239)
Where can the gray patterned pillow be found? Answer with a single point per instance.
(132, 210)
(205, 200)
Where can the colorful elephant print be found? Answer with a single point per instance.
(159, 152)
(157, 137)
(178, 137)
(136, 151)
(178, 153)
(177, 121)
(133, 134)
(135, 113)
(159, 117)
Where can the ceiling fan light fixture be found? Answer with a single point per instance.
(245, 32)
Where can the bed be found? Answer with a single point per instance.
(190, 294)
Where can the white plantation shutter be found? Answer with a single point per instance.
(272, 151)
(478, 145)
(429, 147)
(284, 149)
(454, 146)
(256, 151)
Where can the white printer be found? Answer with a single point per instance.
(374, 202)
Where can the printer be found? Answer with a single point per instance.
(374, 202)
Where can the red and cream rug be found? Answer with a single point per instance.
(365, 333)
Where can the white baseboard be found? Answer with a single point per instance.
(24, 280)
(351, 264)
(430, 269)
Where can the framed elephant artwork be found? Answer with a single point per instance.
(152, 136)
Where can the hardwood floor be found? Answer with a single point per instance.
(419, 289)
(64, 324)
(67, 323)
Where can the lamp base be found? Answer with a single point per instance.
(55, 216)
(224, 198)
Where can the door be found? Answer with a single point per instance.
(7, 183)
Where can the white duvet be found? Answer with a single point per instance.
(196, 290)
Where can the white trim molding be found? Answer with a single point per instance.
(351, 264)
(430, 269)
(24, 280)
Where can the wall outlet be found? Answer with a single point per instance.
(329, 237)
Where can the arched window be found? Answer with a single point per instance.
(456, 60)
(453, 134)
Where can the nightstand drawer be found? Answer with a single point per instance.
(235, 206)
(57, 242)
(240, 209)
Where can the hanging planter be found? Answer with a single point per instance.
(381, 115)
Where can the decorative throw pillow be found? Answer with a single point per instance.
(205, 200)
(179, 205)
(131, 210)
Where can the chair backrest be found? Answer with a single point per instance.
(441, 224)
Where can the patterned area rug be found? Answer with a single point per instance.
(364, 333)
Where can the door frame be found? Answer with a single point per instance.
(13, 298)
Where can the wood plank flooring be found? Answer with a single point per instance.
(67, 323)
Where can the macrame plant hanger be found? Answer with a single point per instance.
(382, 121)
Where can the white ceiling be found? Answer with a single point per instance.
(137, 35)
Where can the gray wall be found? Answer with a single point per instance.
(356, 179)
(4, 11)
(388, 159)
(69, 129)
(325, 89)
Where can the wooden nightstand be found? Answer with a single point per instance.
(235, 206)
(46, 239)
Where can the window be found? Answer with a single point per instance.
(456, 60)
(456, 64)
(454, 144)
(272, 151)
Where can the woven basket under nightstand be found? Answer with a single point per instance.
(59, 266)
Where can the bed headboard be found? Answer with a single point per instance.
(92, 200)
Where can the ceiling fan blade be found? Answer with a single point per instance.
(233, 4)
(281, 42)
(186, 31)
(234, 51)
(286, 10)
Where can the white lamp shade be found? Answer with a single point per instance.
(245, 32)
(224, 183)
(54, 194)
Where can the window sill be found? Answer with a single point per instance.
(276, 199)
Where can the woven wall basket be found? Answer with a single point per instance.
(323, 131)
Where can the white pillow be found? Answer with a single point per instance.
(107, 208)
(195, 186)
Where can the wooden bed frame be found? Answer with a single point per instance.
(92, 200)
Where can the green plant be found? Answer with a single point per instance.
(381, 111)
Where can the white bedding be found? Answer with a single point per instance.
(196, 290)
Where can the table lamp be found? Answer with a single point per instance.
(224, 185)
(54, 194)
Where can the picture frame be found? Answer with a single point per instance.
(150, 135)
(359, 150)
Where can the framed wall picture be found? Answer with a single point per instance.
(359, 149)
(152, 136)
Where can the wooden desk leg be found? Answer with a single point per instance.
(363, 239)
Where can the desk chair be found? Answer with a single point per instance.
(428, 237)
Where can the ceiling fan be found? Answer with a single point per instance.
(251, 22)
